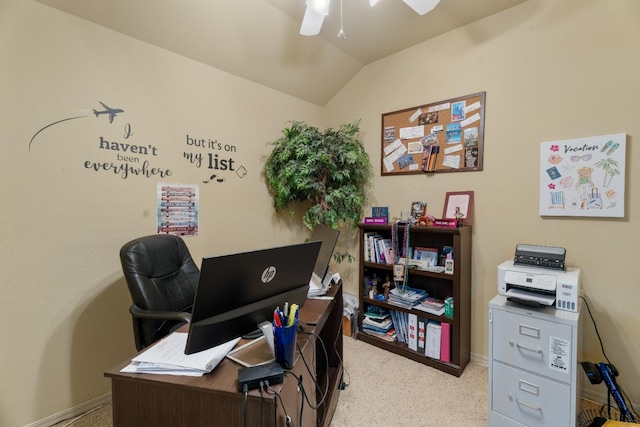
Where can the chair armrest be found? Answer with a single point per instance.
(160, 315)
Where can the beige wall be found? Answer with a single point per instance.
(63, 300)
(551, 70)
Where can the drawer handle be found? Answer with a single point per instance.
(528, 405)
(524, 347)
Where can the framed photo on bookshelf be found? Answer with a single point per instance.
(418, 209)
(458, 205)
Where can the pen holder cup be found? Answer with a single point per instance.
(284, 340)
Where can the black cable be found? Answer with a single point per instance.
(275, 393)
(326, 358)
(245, 390)
(326, 389)
(342, 367)
(304, 394)
(275, 407)
(301, 403)
(595, 326)
(342, 385)
(261, 404)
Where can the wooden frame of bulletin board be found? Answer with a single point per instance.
(445, 136)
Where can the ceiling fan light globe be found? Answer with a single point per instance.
(321, 7)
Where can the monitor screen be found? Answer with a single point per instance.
(329, 237)
(237, 292)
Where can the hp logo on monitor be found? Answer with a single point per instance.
(268, 274)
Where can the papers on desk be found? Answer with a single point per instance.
(167, 357)
(318, 287)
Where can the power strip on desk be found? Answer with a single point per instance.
(253, 376)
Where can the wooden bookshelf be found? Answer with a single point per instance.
(439, 285)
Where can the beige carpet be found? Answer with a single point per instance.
(387, 390)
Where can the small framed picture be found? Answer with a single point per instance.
(458, 205)
(418, 209)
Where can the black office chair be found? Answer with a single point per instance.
(162, 279)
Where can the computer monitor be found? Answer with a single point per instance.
(329, 237)
(237, 292)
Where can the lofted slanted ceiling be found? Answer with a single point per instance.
(259, 40)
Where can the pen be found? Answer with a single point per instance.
(276, 319)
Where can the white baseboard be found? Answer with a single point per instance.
(74, 411)
(480, 360)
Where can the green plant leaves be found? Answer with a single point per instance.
(330, 169)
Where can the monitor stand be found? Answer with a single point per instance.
(253, 335)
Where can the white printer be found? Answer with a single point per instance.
(539, 286)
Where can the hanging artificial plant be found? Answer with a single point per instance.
(329, 169)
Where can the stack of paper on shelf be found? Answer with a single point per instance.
(431, 305)
(406, 298)
(379, 323)
(167, 357)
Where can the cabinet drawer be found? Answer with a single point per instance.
(529, 399)
(533, 344)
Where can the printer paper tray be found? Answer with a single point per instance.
(533, 297)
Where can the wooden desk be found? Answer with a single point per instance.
(213, 399)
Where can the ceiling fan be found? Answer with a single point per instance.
(318, 9)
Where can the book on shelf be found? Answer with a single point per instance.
(421, 333)
(369, 246)
(381, 250)
(380, 212)
(399, 319)
(432, 346)
(378, 249)
(412, 331)
(445, 342)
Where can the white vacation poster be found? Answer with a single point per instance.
(583, 177)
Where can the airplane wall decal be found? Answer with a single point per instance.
(108, 110)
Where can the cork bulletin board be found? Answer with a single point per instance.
(444, 136)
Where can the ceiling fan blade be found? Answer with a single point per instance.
(422, 6)
(311, 23)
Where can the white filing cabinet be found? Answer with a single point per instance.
(534, 374)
